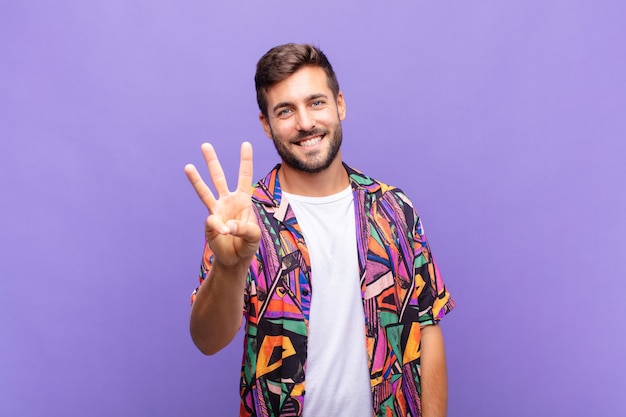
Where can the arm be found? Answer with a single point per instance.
(217, 309)
(433, 372)
(232, 233)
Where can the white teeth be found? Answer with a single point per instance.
(310, 142)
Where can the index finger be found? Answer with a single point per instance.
(244, 183)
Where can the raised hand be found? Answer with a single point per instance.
(231, 228)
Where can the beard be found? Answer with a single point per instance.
(315, 160)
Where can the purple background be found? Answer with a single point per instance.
(504, 121)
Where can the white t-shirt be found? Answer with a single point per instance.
(337, 375)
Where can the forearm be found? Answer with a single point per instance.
(434, 378)
(217, 310)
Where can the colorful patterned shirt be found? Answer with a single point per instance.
(401, 289)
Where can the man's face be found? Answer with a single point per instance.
(304, 120)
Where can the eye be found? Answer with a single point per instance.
(317, 103)
(284, 112)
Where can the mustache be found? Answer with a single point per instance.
(313, 132)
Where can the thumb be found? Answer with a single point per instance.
(245, 230)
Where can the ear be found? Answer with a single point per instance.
(341, 106)
(266, 125)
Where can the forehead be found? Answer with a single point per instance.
(301, 84)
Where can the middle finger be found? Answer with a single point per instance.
(215, 170)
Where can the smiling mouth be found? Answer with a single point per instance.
(310, 142)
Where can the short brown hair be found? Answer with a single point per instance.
(284, 60)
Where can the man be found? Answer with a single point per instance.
(331, 268)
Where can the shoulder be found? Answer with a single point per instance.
(267, 191)
(376, 189)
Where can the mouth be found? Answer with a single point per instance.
(310, 141)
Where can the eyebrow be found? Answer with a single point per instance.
(289, 103)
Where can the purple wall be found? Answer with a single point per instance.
(505, 121)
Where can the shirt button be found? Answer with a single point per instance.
(305, 292)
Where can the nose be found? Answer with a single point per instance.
(305, 120)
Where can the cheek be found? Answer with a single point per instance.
(282, 130)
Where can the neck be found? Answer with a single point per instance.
(329, 181)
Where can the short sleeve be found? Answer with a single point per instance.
(434, 300)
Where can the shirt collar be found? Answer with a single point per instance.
(268, 192)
